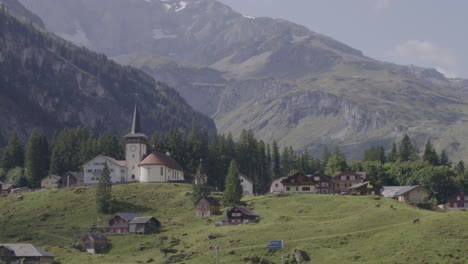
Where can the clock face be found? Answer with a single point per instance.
(133, 148)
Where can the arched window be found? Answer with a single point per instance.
(133, 176)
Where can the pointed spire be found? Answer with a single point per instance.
(136, 126)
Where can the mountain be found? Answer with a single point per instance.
(20, 11)
(280, 79)
(49, 83)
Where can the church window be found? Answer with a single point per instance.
(133, 176)
(133, 155)
(133, 167)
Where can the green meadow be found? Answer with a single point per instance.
(329, 228)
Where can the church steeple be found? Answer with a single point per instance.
(136, 126)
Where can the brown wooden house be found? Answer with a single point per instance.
(144, 225)
(119, 223)
(343, 180)
(458, 201)
(24, 253)
(365, 188)
(240, 215)
(70, 179)
(299, 183)
(207, 206)
(324, 183)
(94, 243)
(7, 187)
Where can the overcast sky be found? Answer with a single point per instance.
(429, 33)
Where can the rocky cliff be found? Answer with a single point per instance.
(48, 83)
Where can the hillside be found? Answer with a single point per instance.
(19, 10)
(330, 228)
(49, 83)
(280, 79)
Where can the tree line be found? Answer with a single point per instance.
(403, 164)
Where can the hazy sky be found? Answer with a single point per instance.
(429, 33)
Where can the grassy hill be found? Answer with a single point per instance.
(330, 228)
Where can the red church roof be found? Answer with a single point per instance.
(157, 158)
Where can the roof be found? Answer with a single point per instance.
(136, 126)
(210, 200)
(27, 250)
(245, 210)
(157, 158)
(142, 220)
(395, 191)
(53, 177)
(298, 179)
(6, 186)
(77, 175)
(319, 174)
(361, 174)
(126, 216)
(356, 186)
(245, 177)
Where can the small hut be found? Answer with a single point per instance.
(94, 243)
(207, 206)
(144, 225)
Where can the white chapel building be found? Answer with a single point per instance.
(137, 166)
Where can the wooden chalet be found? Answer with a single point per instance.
(24, 253)
(119, 223)
(70, 179)
(299, 183)
(94, 243)
(343, 180)
(324, 183)
(364, 188)
(458, 201)
(144, 225)
(239, 215)
(7, 187)
(207, 206)
(408, 194)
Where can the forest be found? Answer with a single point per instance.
(403, 164)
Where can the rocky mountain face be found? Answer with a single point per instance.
(18, 9)
(48, 83)
(275, 77)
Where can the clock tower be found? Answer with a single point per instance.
(135, 148)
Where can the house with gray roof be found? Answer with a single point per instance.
(24, 253)
(119, 223)
(144, 225)
(414, 194)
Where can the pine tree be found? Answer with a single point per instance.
(407, 151)
(36, 159)
(286, 161)
(444, 160)
(200, 184)
(104, 191)
(393, 155)
(233, 188)
(325, 156)
(13, 154)
(336, 163)
(276, 160)
(430, 155)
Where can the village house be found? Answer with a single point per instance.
(458, 201)
(247, 184)
(7, 187)
(94, 243)
(239, 215)
(408, 194)
(207, 206)
(51, 182)
(364, 188)
(324, 183)
(70, 179)
(24, 253)
(144, 225)
(343, 180)
(277, 186)
(93, 169)
(158, 167)
(299, 183)
(119, 223)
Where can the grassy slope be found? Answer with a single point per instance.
(332, 229)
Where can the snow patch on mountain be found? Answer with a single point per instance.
(181, 6)
(161, 34)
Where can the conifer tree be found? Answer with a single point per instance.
(200, 184)
(276, 160)
(430, 155)
(36, 159)
(13, 154)
(233, 188)
(104, 191)
(336, 163)
(444, 160)
(393, 155)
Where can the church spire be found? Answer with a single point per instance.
(136, 126)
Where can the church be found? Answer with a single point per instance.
(138, 166)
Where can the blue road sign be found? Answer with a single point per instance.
(275, 244)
